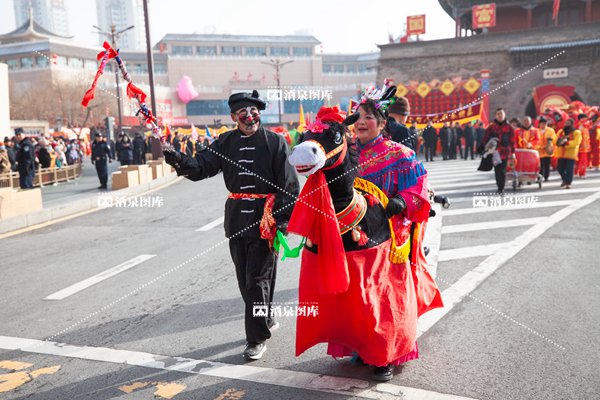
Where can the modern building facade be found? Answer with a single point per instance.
(50, 14)
(123, 14)
(215, 66)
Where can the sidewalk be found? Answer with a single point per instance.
(79, 195)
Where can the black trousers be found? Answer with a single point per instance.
(545, 167)
(458, 147)
(102, 171)
(445, 152)
(469, 148)
(566, 168)
(500, 173)
(429, 152)
(26, 176)
(255, 266)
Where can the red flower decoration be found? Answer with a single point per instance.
(331, 114)
(317, 127)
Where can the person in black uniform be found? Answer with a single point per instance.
(445, 137)
(469, 134)
(257, 174)
(25, 158)
(479, 134)
(100, 158)
(430, 138)
(458, 135)
(139, 149)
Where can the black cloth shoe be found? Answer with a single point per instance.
(254, 351)
(383, 374)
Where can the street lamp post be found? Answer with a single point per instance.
(113, 35)
(277, 64)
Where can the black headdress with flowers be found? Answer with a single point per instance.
(380, 98)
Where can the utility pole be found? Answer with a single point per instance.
(113, 35)
(150, 59)
(277, 64)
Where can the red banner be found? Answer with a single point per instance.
(415, 24)
(484, 16)
(462, 116)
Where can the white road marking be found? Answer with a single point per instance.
(480, 226)
(481, 210)
(459, 178)
(472, 279)
(559, 192)
(280, 377)
(438, 186)
(86, 283)
(433, 239)
(211, 225)
(471, 251)
(459, 184)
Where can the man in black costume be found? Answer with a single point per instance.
(263, 187)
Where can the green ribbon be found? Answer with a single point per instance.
(281, 241)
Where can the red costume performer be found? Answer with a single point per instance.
(369, 296)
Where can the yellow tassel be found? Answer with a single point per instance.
(398, 254)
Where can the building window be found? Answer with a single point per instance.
(362, 68)
(42, 61)
(26, 62)
(302, 51)
(182, 50)
(76, 62)
(351, 68)
(256, 51)
(338, 69)
(207, 107)
(231, 51)
(160, 68)
(140, 69)
(12, 64)
(90, 65)
(61, 60)
(326, 68)
(206, 50)
(280, 51)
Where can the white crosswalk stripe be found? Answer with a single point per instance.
(493, 224)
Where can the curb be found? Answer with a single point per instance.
(46, 215)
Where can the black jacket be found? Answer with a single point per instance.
(250, 164)
(100, 152)
(25, 156)
(44, 157)
(430, 136)
(401, 134)
(139, 145)
(469, 133)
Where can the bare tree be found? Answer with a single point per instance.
(59, 100)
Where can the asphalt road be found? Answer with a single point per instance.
(517, 326)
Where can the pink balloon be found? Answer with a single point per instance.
(185, 89)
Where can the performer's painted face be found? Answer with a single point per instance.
(368, 126)
(247, 119)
